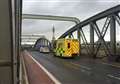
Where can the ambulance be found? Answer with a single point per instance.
(66, 47)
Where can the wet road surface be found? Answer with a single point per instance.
(78, 70)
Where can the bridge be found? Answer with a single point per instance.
(98, 61)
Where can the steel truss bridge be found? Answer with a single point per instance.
(110, 23)
(10, 33)
(112, 18)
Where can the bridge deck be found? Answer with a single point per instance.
(73, 71)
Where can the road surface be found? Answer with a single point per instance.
(78, 70)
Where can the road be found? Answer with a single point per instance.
(79, 70)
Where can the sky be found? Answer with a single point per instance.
(81, 9)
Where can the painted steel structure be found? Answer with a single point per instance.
(26, 39)
(10, 27)
(51, 17)
(10, 32)
(112, 17)
(42, 42)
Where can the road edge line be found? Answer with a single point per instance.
(45, 70)
(113, 65)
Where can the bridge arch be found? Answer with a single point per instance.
(42, 43)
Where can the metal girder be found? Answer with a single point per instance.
(113, 35)
(27, 35)
(9, 44)
(51, 17)
(79, 39)
(85, 41)
(85, 44)
(18, 20)
(105, 27)
(92, 39)
(84, 38)
(72, 35)
(100, 36)
(42, 40)
(103, 32)
(117, 19)
(29, 41)
(99, 16)
(28, 38)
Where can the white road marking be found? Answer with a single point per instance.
(46, 71)
(79, 65)
(111, 65)
(111, 76)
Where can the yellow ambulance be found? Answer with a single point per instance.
(66, 47)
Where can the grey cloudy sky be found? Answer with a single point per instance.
(81, 9)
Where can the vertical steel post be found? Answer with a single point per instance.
(43, 41)
(113, 35)
(79, 39)
(40, 42)
(70, 35)
(92, 40)
(18, 23)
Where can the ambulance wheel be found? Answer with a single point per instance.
(54, 55)
(60, 55)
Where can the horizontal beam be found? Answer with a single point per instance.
(51, 17)
(32, 35)
(5, 63)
